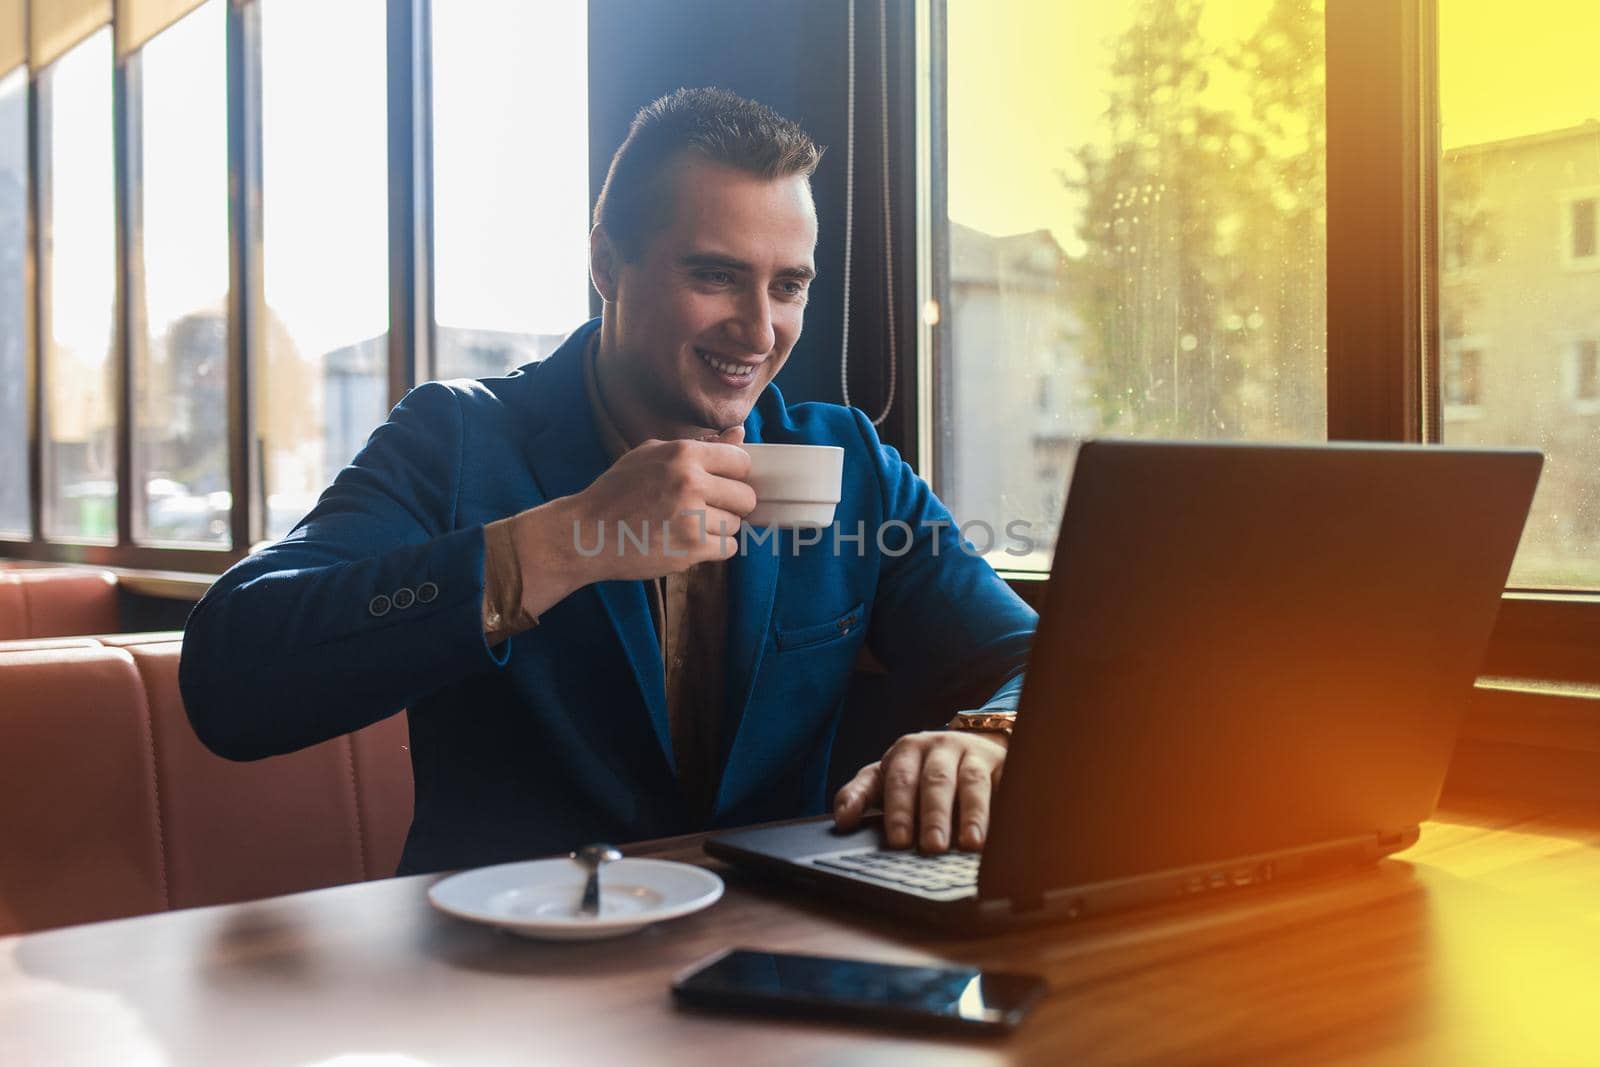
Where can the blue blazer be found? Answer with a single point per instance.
(559, 736)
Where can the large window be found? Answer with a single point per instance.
(239, 248)
(1135, 239)
(180, 410)
(507, 179)
(323, 384)
(13, 303)
(1518, 182)
(79, 229)
(1129, 215)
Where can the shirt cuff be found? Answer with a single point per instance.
(503, 614)
(1006, 697)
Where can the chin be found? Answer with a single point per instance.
(709, 410)
(722, 421)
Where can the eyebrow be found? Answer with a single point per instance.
(716, 259)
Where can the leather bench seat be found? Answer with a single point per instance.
(57, 602)
(35, 644)
(80, 828)
(110, 806)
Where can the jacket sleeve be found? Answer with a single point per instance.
(372, 601)
(941, 614)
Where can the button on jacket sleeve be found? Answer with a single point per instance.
(389, 625)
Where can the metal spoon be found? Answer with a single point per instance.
(592, 858)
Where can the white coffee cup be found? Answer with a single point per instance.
(796, 485)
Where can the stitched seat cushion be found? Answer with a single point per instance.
(238, 831)
(57, 602)
(80, 834)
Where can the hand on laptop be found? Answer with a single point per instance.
(927, 783)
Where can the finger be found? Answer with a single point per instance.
(733, 435)
(730, 494)
(938, 795)
(902, 772)
(974, 786)
(856, 795)
(697, 534)
(722, 533)
(715, 457)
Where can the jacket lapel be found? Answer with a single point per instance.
(566, 456)
(627, 605)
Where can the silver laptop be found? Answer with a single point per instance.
(1251, 666)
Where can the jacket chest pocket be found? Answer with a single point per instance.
(812, 635)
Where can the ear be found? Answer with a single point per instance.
(604, 261)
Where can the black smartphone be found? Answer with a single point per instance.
(961, 999)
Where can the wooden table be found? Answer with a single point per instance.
(1480, 946)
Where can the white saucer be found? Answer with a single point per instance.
(539, 898)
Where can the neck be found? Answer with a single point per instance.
(632, 414)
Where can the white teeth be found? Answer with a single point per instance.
(735, 369)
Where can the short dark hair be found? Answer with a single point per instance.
(713, 123)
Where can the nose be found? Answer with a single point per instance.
(751, 326)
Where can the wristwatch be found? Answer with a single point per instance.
(992, 722)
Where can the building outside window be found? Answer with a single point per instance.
(1535, 155)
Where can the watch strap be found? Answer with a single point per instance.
(999, 722)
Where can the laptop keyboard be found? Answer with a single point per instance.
(914, 870)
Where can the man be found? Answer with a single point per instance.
(557, 695)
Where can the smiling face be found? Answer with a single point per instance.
(703, 318)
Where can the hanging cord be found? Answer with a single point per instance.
(849, 190)
(850, 197)
(888, 217)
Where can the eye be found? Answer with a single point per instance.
(792, 288)
(715, 277)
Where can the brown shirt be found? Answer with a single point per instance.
(690, 610)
